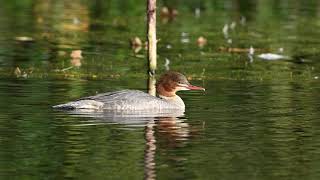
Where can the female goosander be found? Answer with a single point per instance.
(134, 100)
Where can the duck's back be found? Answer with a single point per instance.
(119, 100)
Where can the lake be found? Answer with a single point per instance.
(257, 119)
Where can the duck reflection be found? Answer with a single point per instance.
(161, 131)
(172, 130)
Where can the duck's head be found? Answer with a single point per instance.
(171, 82)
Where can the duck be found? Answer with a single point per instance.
(135, 100)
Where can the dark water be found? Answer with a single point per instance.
(258, 119)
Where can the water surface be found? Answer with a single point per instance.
(258, 119)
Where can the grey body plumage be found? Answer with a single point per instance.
(124, 100)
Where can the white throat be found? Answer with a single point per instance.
(176, 100)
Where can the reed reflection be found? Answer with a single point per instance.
(172, 130)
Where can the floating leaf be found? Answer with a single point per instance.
(168, 14)
(76, 54)
(20, 73)
(201, 41)
(17, 72)
(164, 11)
(136, 44)
(136, 41)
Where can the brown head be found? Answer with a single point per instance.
(171, 82)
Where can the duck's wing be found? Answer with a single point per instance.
(118, 100)
(127, 100)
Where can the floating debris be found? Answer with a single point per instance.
(251, 50)
(164, 11)
(201, 41)
(174, 12)
(229, 41)
(241, 50)
(75, 59)
(136, 44)
(136, 49)
(24, 39)
(281, 50)
(225, 30)
(75, 20)
(243, 20)
(76, 54)
(167, 14)
(76, 62)
(185, 40)
(17, 71)
(20, 73)
(61, 53)
(197, 12)
(272, 57)
(184, 34)
(185, 37)
(168, 46)
(136, 41)
(233, 25)
(166, 64)
(250, 54)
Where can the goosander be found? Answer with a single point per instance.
(134, 100)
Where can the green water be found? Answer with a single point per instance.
(258, 119)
